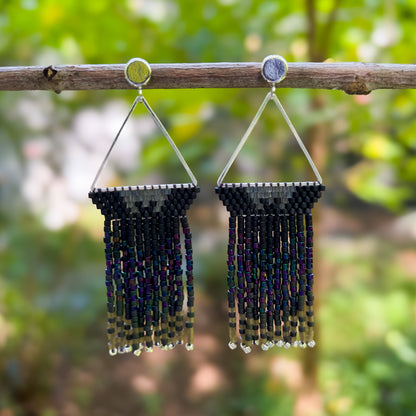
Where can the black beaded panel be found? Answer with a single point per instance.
(270, 263)
(145, 251)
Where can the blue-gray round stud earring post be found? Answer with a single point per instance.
(274, 69)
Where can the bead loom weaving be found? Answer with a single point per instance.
(270, 248)
(147, 238)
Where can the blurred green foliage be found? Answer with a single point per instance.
(52, 355)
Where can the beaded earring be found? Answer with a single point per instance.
(270, 247)
(144, 251)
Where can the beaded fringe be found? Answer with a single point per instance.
(270, 263)
(144, 252)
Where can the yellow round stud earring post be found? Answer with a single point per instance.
(137, 72)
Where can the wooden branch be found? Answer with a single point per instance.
(351, 77)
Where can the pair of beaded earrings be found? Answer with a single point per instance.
(148, 244)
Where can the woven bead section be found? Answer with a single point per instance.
(270, 263)
(147, 239)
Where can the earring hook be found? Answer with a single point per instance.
(273, 69)
(138, 72)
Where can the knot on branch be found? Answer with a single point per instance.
(49, 72)
(358, 87)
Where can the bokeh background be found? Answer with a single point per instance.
(53, 357)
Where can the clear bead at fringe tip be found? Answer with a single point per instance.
(148, 349)
(189, 347)
(164, 348)
(113, 352)
(137, 352)
(302, 344)
(232, 345)
(294, 344)
(128, 348)
(270, 344)
(311, 344)
(287, 345)
(256, 342)
(264, 347)
(121, 350)
(280, 343)
(245, 348)
(171, 346)
(179, 342)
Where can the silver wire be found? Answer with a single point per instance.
(297, 137)
(140, 99)
(271, 96)
(100, 169)
(172, 143)
(244, 139)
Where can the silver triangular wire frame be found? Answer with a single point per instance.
(271, 96)
(140, 99)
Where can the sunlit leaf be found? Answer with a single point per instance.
(380, 147)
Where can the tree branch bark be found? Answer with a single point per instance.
(351, 77)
